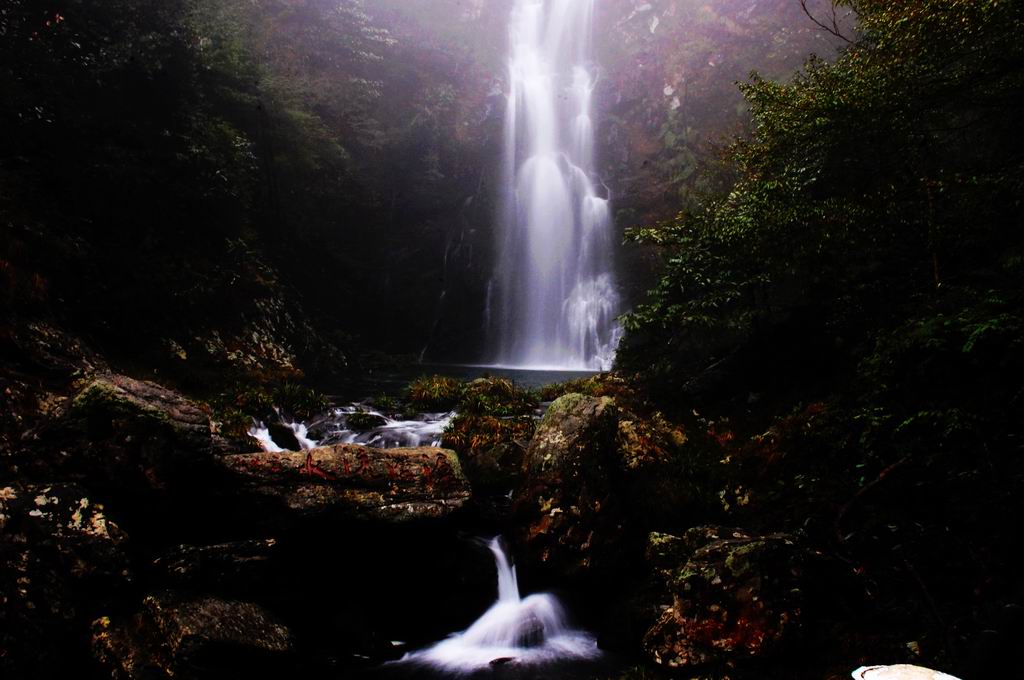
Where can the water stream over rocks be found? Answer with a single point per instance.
(339, 427)
(514, 631)
(424, 429)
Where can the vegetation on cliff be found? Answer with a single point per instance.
(839, 319)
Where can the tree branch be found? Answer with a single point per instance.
(833, 29)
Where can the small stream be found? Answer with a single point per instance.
(517, 636)
(423, 430)
(515, 631)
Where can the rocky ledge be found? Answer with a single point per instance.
(357, 481)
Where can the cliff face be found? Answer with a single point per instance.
(669, 93)
(669, 101)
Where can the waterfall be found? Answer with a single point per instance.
(515, 630)
(554, 296)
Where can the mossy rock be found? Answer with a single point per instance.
(123, 433)
(736, 597)
(574, 426)
(143, 405)
(350, 481)
(361, 421)
(174, 635)
(60, 557)
(570, 517)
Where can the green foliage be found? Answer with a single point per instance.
(491, 411)
(681, 101)
(601, 385)
(237, 407)
(143, 138)
(893, 172)
(434, 393)
(486, 396)
(496, 397)
(300, 401)
(385, 403)
(472, 434)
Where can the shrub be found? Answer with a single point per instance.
(435, 393)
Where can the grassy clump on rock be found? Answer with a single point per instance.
(434, 393)
(236, 408)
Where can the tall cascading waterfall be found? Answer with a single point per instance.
(553, 299)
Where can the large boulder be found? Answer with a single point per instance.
(491, 449)
(179, 636)
(733, 597)
(37, 362)
(119, 431)
(356, 481)
(565, 506)
(59, 557)
(657, 480)
(496, 469)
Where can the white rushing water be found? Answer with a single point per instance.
(261, 433)
(515, 630)
(554, 295)
(424, 430)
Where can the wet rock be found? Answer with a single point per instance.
(59, 556)
(284, 436)
(530, 633)
(224, 567)
(735, 597)
(566, 506)
(177, 636)
(356, 481)
(37, 362)
(362, 421)
(499, 468)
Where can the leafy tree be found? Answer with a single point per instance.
(891, 173)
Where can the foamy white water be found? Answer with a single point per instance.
(553, 300)
(302, 435)
(261, 433)
(522, 631)
(425, 430)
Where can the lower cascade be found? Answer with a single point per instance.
(515, 630)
